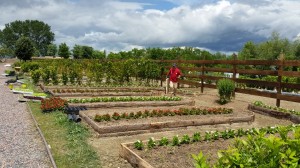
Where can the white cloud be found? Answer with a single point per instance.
(119, 25)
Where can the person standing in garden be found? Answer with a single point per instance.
(173, 75)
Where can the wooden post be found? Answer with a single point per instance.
(234, 71)
(202, 81)
(279, 78)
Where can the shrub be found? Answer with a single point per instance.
(65, 77)
(35, 75)
(225, 88)
(46, 75)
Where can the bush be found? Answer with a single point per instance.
(35, 75)
(225, 88)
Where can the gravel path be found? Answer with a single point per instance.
(20, 142)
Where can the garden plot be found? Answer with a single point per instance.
(115, 122)
(71, 91)
(129, 101)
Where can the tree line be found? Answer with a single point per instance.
(28, 38)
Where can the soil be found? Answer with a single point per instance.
(108, 147)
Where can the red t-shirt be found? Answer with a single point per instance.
(174, 73)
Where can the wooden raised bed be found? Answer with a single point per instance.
(104, 94)
(137, 128)
(132, 157)
(273, 113)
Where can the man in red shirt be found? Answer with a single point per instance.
(174, 74)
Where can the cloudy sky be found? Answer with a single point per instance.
(115, 25)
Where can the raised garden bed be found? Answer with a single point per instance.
(274, 112)
(155, 124)
(177, 151)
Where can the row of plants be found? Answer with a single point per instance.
(53, 104)
(97, 90)
(285, 79)
(95, 72)
(161, 113)
(280, 109)
(123, 99)
(208, 136)
(260, 151)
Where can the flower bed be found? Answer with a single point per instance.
(160, 113)
(123, 99)
(52, 104)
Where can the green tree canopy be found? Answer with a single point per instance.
(63, 51)
(99, 54)
(37, 31)
(24, 48)
(52, 50)
(77, 51)
(87, 52)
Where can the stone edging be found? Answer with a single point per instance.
(273, 113)
(131, 129)
(134, 159)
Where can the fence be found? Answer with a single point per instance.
(238, 67)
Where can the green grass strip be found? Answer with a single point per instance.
(68, 140)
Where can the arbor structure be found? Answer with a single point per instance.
(24, 48)
(37, 31)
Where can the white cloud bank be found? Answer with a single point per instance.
(118, 25)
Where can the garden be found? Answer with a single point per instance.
(128, 114)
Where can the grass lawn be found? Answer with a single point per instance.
(68, 140)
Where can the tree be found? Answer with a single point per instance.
(77, 52)
(87, 52)
(24, 48)
(98, 54)
(37, 31)
(52, 50)
(63, 51)
(248, 52)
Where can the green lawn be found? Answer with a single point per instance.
(68, 140)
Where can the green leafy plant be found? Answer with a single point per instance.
(139, 145)
(196, 137)
(185, 139)
(175, 141)
(226, 88)
(151, 143)
(200, 161)
(164, 141)
(35, 75)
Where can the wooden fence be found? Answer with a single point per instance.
(238, 67)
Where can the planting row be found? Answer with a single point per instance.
(97, 90)
(209, 136)
(109, 72)
(122, 99)
(280, 109)
(260, 151)
(160, 113)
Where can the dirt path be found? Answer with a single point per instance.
(20, 142)
(108, 147)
